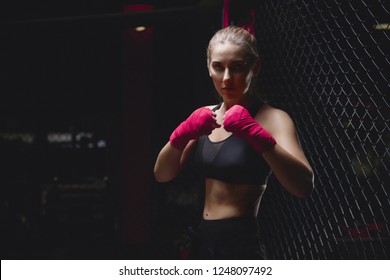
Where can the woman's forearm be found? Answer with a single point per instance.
(167, 165)
(294, 175)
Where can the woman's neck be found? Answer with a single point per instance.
(228, 103)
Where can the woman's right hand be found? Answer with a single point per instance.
(201, 122)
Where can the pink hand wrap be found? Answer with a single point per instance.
(200, 122)
(239, 122)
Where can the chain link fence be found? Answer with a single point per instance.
(327, 64)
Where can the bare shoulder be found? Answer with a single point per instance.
(269, 115)
(281, 126)
(275, 121)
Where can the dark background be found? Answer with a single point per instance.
(87, 103)
(78, 68)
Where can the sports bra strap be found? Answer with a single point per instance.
(217, 107)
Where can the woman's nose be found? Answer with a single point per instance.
(226, 75)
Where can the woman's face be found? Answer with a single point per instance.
(230, 71)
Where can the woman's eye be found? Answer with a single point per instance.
(238, 68)
(218, 68)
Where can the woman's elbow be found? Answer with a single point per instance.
(159, 177)
(162, 177)
(306, 186)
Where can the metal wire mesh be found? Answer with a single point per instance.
(327, 65)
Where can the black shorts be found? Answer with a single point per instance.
(233, 238)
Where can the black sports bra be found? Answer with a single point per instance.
(232, 160)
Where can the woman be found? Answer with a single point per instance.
(236, 144)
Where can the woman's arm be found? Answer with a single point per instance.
(286, 158)
(170, 161)
(175, 153)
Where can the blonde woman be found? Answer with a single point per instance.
(236, 144)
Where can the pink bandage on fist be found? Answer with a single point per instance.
(239, 122)
(200, 122)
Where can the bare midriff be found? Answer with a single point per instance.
(225, 200)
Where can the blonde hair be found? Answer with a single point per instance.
(237, 36)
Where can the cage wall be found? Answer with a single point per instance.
(327, 64)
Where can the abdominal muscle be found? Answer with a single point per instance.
(225, 200)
